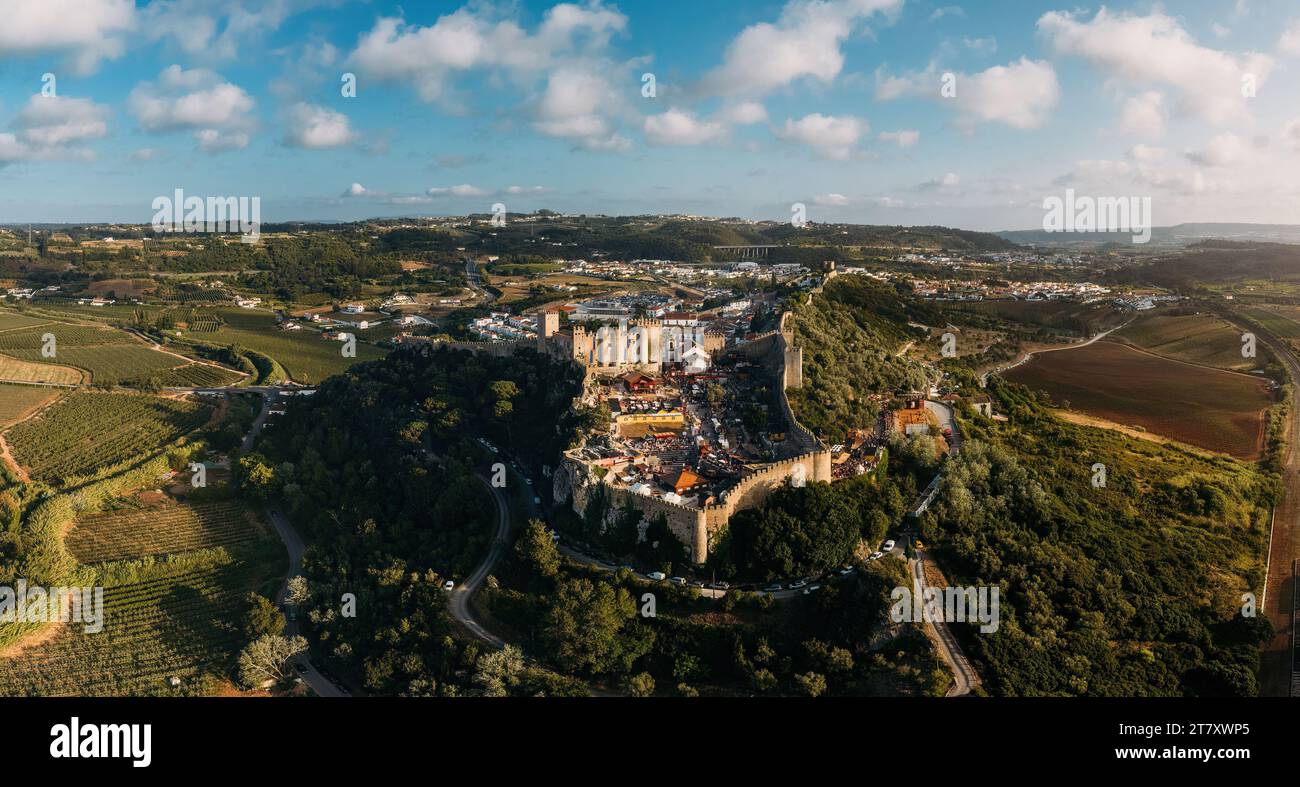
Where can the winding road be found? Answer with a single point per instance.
(293, 544)
(984, 378)
(458, 603)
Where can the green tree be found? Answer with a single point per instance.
(261, 617)
(640, 685)
(592, 627)
(536, 548)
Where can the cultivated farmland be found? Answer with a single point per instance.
(17, 401)
(303, 354)
(174, 621)
(1195, 338)
(167, 528)
(88, 432)
(1211, 409)
(14, 370)
(109, 363)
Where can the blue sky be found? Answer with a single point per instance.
(837, 104)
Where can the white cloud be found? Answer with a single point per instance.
(356, 190)
(49, 128)
(948, 183)
(804, 43)
(1020, 94)
(678, 127)
(525, 190)
(53, 122)
(1291, 134)
(1224, 150)
(1290, 41)
(213, 140)
(463, 190)
(315, 127)
(1147, 153)
(830, 200)
(904, 139)
(144, 154)
(1144, 114)
(428, 57)
(947, 10)
(573, 107)
(196, 100)
(87, 31)
(1155, 49)
(216, 31)
(831, 137)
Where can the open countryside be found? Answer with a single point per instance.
(1208, 408)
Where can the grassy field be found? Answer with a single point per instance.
(1195, 338)
(164, 620)
(17, 401)
(166, 528)
(305, 356)
(1216, 410)
(89, 431)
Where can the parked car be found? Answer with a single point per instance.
(677, 580)
(657, 576)
(876, 555)
(888, 546)
(811, 589)
(448, 585)
(772, 588)
(798, 584)
(844, 572)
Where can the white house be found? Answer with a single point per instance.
(696, 360)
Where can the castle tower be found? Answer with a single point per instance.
(550, 324)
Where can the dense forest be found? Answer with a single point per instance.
(379, 469)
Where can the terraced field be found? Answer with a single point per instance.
(16, 401)
(89, 431)
(1195, 338)
(166, 529)
(169, 620)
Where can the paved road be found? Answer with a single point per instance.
(458, 603)
(963, 675)
(1275, 660)
(293, 543)
(946, 421)
(294, 546)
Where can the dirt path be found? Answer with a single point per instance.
(7, 456)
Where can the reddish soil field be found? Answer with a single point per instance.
(1208, 408)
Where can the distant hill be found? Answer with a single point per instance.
(1178, 235)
